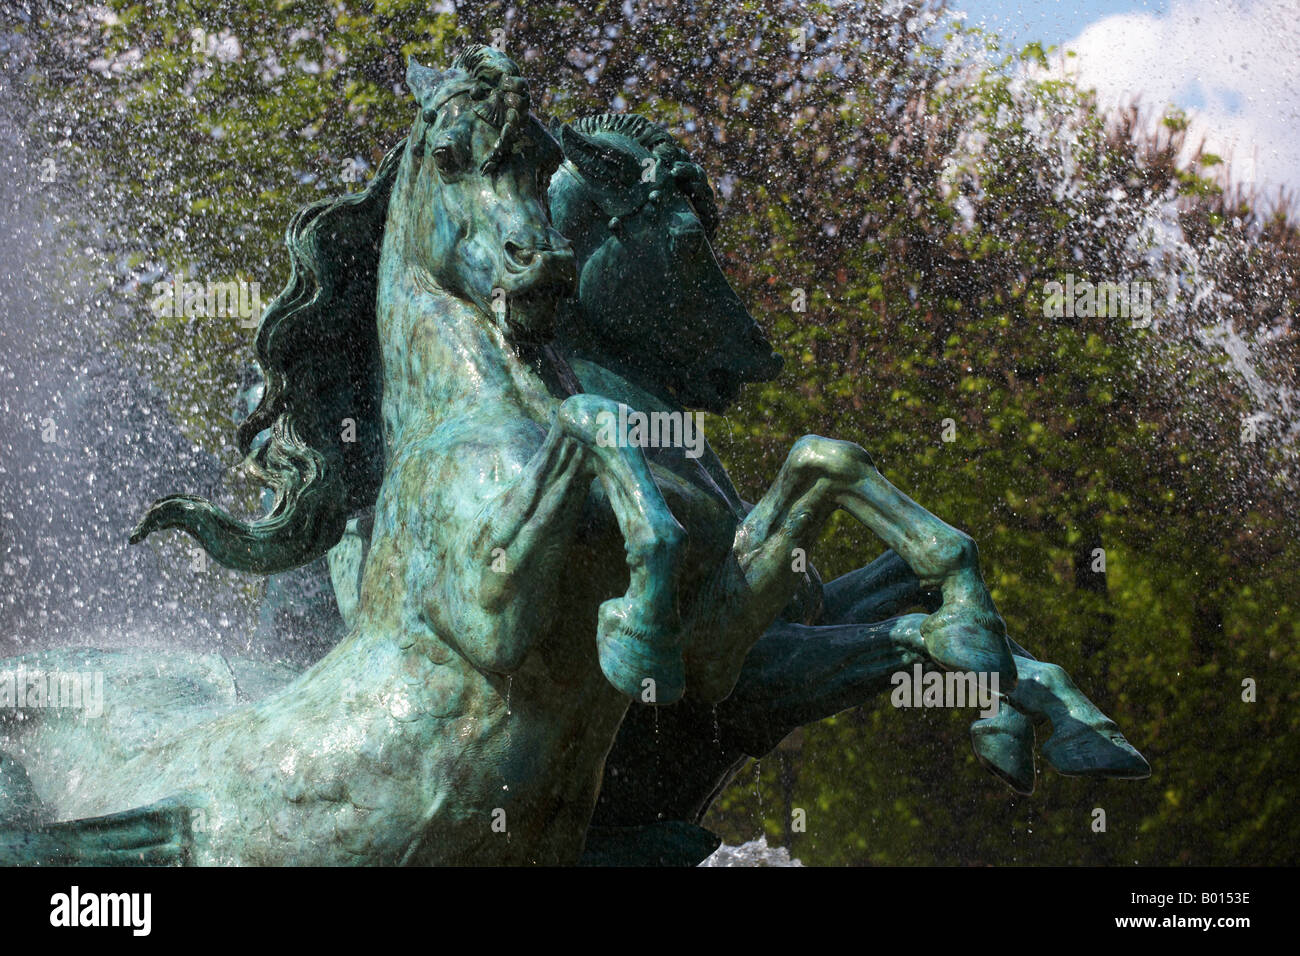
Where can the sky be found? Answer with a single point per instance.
(1232, 65)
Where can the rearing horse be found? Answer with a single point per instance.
(655, 325)
(466, 715)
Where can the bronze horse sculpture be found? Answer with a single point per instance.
(467, 714)
(689, 342)
(459, 720)
(832, 647)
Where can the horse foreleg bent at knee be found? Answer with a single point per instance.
(819, 476)
(1083, 741)
(521, 545)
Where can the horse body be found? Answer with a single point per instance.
(465, 716)
(390, 757)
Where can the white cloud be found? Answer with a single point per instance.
(1240, 60)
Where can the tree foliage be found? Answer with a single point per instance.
(917, 188)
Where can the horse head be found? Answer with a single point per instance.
(475, 180)
(652, 298)
(463, 200)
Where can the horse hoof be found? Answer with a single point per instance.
(633, 662)
(962, 639)
(1076, 749)
(1004, 746)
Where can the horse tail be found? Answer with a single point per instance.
(307, 519)
(317, 347)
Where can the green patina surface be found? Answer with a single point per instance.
(441, 374)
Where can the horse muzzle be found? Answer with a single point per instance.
(536, 282)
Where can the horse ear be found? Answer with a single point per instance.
(421, 80)
(604, 164)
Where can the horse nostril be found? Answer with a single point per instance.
(519, 255)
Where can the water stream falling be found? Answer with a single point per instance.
(85, 444)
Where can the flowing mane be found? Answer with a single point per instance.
(318, 350)
(317, 346)
(691, 178)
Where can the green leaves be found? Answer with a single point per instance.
(922, 201)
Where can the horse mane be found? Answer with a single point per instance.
(690, 176)
(317, 347)
(318, 343)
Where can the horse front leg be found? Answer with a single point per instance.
(885, 588)
(819, 476)
(798, 674)
(1084, 742)
(521, 543)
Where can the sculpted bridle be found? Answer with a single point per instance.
(628, 197)
(501, 100)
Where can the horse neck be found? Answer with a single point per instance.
(603, 373)
(607, 375)
(442, 356)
